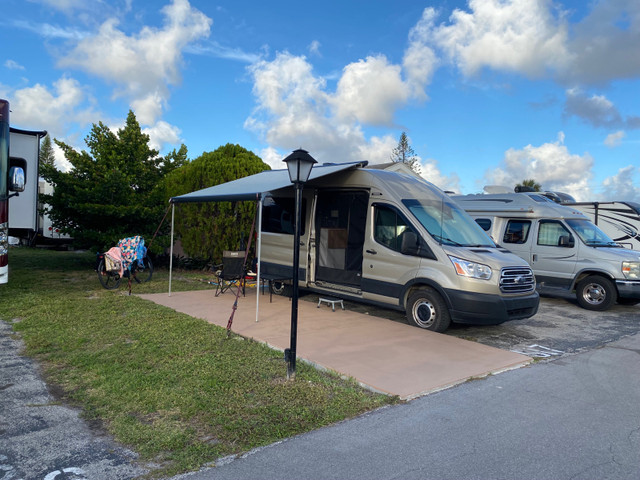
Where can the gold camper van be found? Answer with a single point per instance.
(394, 240)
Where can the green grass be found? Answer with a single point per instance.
(171, 387)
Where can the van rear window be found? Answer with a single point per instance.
(278, 215)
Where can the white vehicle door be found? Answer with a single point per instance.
(554, 254)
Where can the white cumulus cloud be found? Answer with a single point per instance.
(622, 186)
(370, 91)
(519, 35)
(550, 164)
(55, 110)
(142, 66)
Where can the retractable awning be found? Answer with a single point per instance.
(256, 186)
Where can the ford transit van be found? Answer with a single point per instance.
(393, 240)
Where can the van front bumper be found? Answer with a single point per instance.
(484, 309)
(628, 288)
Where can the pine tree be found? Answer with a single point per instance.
(47, 156)
(112, 191)
(405, 154)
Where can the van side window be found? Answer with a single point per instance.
(389, 228)
(278, 215)
(485, 223)
(517, 231)
(554, 234)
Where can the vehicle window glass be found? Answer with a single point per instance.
(447, 222)
(389, 227)
(551, 233)
(517, 231)
(589, 233)
(278, 215)
(485, 223)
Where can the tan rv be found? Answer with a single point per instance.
(397, 241)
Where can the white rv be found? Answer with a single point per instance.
(567, 252)
(24, 149)
(394, 240)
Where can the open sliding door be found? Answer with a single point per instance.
(340, 225)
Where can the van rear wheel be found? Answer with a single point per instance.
(426, 309)
(596, 293)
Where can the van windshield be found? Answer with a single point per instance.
(590, 234)
(447, 223)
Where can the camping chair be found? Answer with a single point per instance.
(232, 273)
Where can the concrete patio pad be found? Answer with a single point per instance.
(381, 354)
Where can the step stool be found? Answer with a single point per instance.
(330, 301)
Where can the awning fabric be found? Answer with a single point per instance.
(256, 186)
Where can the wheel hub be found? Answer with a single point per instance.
(425, 313)
(594, 294)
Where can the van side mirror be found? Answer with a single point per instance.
(412, 244)
(409, 243)
(16, 179)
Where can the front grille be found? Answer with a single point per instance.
(517, 280)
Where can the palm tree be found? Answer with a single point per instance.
(528, 185)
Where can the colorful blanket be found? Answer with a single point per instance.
(133, 250)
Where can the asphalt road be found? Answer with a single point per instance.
(43, 440)
(577, 417)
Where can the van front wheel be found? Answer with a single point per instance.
(426, 309)
(596, 293)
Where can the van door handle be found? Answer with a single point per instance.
(535, 257)
(372, 252)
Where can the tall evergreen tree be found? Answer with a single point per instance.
(47, 156)
(404, 153)
(112, 191)
(206, 229)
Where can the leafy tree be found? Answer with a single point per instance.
(112, 191)
(47, 156)
(206, 229)
(530, 183)
(405, 154)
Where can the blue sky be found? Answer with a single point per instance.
(488, 91)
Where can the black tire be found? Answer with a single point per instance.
(426, 309)
(145, 274)
(596, 293)
(628, 301)
(109, 280)
(281, 288)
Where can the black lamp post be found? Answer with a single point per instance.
(299, 164)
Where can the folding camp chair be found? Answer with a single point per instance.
(231, 275)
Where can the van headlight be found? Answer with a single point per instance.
(471, 269)
(631, 270)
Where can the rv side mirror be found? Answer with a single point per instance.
(16, 179)
(566, 241)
